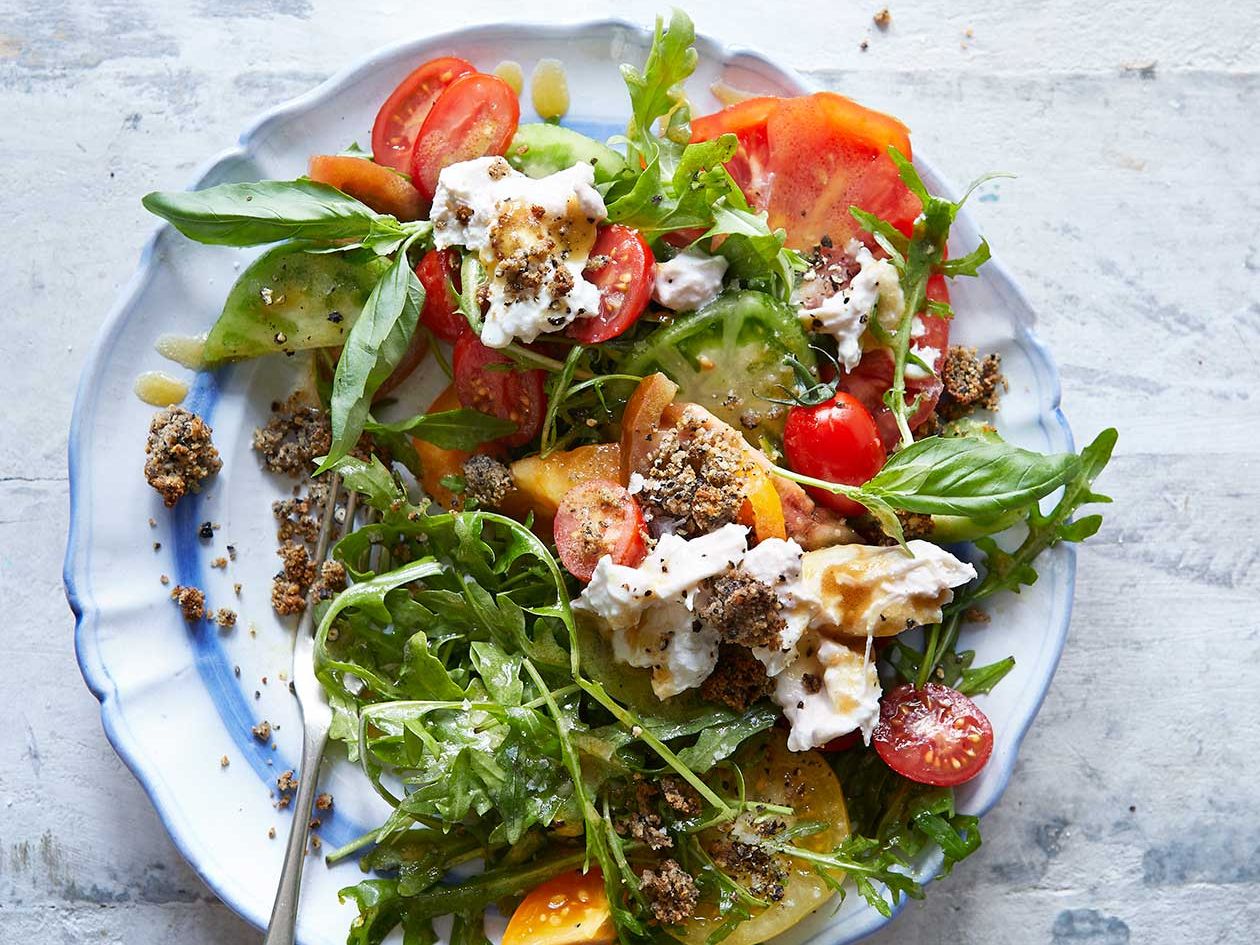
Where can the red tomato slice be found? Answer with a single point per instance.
(487, 380)
(597, 518)
(476, 116)
(625, 284)
(438, 272)
(377, 186)
(934, 735)
(836, 441)
(873, 375)
(751, 165)
(828, 153)
(399, 120)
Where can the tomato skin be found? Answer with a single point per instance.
(513, 394)
(873, 375)
(836, 441)
(399, 120)
(438, 272)
(934, 735)
(475, 116)
(377, 186)
(625, 284)
(605, 509)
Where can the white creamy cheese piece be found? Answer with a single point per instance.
(648, 610)
(777, 562)
(689, 281)
(868, 590)
(533, 237)
(874, 290)
(829, 691)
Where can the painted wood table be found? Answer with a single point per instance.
(1132, 127)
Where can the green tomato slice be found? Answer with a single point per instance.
(730, 357)
(291, 300)
(540, 149)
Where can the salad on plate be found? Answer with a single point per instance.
(652, 633)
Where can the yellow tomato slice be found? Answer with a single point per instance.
(805, 782)
(541, 482)
(571, 909)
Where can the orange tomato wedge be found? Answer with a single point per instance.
(377, 186)
(641, 419)
(571, 909)
(763, 509)
(541, 482)
(436, 462)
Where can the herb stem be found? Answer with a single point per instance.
(628, 719)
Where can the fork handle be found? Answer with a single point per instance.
(281, 930)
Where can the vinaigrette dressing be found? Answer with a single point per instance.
(185, 350)
(511, 73)
(549, 87)
(159, 390)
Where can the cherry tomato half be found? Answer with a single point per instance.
(438, 272)
(399, 120)
(836, 441)
(625, 284)
(934, 735)
(377, 186)
(597, 518)
(487, 380)
(477, 115)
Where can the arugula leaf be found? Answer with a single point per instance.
(381, 908)
(916, 259)
(718, 742)
(1011, 570)
(460, 429)
(375, 346)
(966, 476)
(252, 214)
(658, 88)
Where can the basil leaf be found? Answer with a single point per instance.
(251, 214)
(461, 429)
(965, 476)
(375, 345)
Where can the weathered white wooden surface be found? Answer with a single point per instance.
(1133, 227)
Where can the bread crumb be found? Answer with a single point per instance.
(262, 731)
(180, 454)
(192, 602)
(883, 19)
(224, 762)
(225, 617)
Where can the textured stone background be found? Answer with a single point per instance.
(1133, 128)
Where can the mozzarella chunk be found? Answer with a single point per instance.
(689, 281)
(874, 290)
(867, 590)
(533, 236)
(777, 562)
(829, 691)
(648, 611)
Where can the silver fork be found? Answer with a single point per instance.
(316, 721)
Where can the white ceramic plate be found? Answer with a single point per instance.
(172, 703)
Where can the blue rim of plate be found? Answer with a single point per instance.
(79, 594)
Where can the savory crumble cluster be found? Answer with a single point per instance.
(180, 454)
